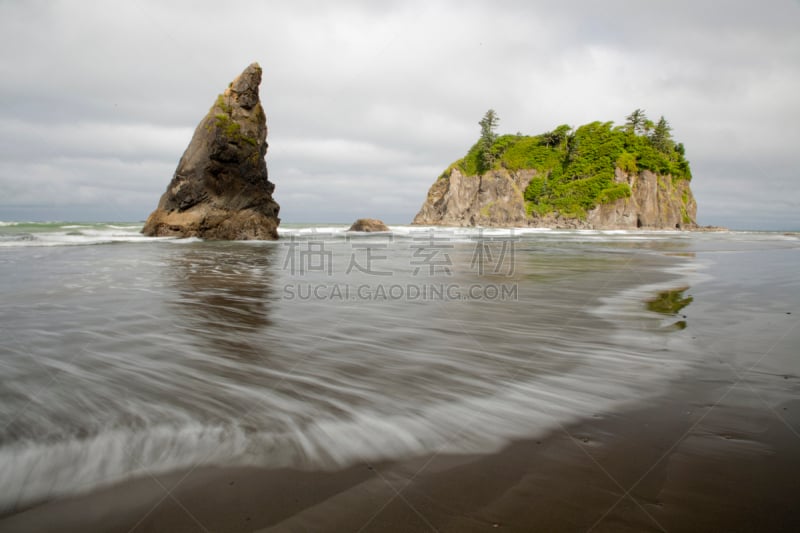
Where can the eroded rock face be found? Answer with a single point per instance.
(492, 199)
(496, 199)
(221, 189)
(656, 202)
(369, 225)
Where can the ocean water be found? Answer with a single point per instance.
(125, 356)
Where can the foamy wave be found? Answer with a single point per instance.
(313, 230)
(471, 234)
(470, 424)
(74, 238)
(40, 471)
(175, 240)
(72, 234)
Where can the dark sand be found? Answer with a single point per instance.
(712, 456)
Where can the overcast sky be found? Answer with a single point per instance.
(367, 102)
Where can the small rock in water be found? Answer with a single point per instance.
(369, 225)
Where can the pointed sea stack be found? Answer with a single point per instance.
(220, 189)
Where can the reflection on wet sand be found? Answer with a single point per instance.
(224, 296)
(671, 302)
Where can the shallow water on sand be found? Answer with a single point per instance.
(124, 355)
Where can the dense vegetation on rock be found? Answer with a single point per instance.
(575, 167)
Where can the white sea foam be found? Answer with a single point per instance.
(466, 423)
(54, 234)
(72, 238)
(72, 234)
(313, 230)
(481, 415)
(175, 240)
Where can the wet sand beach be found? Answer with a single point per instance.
(690, 462)
(668, 400)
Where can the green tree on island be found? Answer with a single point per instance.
(488, 126)
(661, 137)
(636, 122)
(557, 137)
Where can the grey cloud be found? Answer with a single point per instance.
(368, 101)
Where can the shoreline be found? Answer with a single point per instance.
(683, 472)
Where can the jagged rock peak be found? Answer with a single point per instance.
(245, 87)
(221, 188)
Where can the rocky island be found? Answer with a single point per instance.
(221, 189)
(596, 176)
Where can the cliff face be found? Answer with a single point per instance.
(492, 199)
(221, 189)
(656, 201)
(496, 198)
